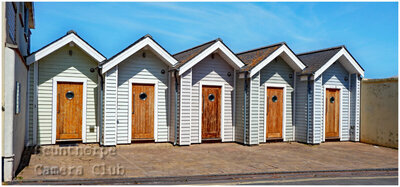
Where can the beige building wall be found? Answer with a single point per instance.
(379, 112)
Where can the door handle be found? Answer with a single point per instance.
(58, 103)
(133, 107)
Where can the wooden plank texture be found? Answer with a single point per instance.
(332, 113)
(274, 112)
(69, 111)
(142, 111)
(211, 117)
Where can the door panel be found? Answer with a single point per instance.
(142, 111)
(274, 113)
(211, 112)
(332, 101)
(69, 110)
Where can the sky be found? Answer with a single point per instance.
(368, 30)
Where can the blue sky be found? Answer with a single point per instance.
(369, 30)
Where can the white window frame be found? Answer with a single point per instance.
(340, 88)
(54, 106)
(143, 81)
(271, 85)
(211, 83)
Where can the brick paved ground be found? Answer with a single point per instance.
(164, 159)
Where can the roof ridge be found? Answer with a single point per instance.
(129, 46)
(65, 35)
(251, 50)
(321, 50)
(197, 46)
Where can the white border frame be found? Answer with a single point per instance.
(284, 109)
(54, 106)
(211, 83)
(340, 88)
(142, 81)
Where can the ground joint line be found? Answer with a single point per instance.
(302, 180)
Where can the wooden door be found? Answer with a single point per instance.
(274, 113)
(332, 113)
(142, 111)
(211, 112)
(69, 111)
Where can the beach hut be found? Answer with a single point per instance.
(63, 92)
(136, 94)
(203, 94)
(265, 94)
(328, 96)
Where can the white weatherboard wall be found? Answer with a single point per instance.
(137, 67)
(277, 72)
(301, 110)
(254, 104)
(335, 76)
(110, 107)
(239, 131)
(172, 93)
(212, 71)
(61, 65)
(184, 108)
(318, 111)
(355, 107)
(30, 104)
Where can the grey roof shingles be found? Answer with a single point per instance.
(314, 60)
(253, 57)
(188, 54)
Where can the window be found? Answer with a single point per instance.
(11, 12)
(143, 96)
(17, 97)
(211, 97)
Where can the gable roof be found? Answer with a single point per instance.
(71, 36)
(256, 59)
(139, 44)
(188, 54)
(252, 57)
(190, 57)
(314, 60)
(319, 60)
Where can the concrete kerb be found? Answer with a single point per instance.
(184, 178)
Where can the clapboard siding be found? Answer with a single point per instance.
(185, 109)
(301, 110)
(254, 108)
(172, 109)
(353, 100)
(110, 107)
(318, 110)
(335, 76)
(149, 68)
(31, 103)
(239, 131)
(277, 72)
(60, 64)
(358, 99)
(212, 70)
(354, 107)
